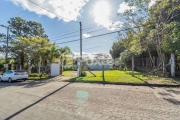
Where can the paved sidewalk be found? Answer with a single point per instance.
(56, 100)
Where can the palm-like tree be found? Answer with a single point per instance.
(52, 53)
(49, 54)
(64, 51)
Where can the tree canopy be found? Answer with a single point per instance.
(149, 28)
(20, 27)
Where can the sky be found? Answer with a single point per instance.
(61, 20)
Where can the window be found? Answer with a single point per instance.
(9, 72)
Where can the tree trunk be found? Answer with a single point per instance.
(29, 67)
(22, 60)
(133, 66)
(39, 68)
(153, 64)
(61, 70)
(163, 62)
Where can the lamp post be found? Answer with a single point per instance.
(7, 41)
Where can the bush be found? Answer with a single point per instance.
(1, 66)
(67, 68)
(34, 75)
(74, 67)
(83, 74)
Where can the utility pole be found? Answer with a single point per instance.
(7, 43)
(80, 66)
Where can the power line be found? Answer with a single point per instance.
(89, 37)
(69, 33)
(76, 31)
(96, 30)
(65, 34)
(97, 35)
(65, 18)
(95, 47)
(86, 28)
(50, 11)
(65, 37)
(102, 35)
(97, 43)
(69, 41)
(77, 35)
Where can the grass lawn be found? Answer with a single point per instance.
(124, 77)
(67, 73)
(39, 78)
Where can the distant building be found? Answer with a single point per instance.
(98, 66)
(94, 64)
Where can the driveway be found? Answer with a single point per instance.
(56, 100)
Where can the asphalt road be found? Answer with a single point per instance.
(56, 100)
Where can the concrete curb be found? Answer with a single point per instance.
(128, 84)
(149, 85)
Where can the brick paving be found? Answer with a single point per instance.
(116, 103)
(82, 101)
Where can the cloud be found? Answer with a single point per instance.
(86, 35)
(101, 14)
(152, 2)
(124, 6)
(116, 25)
(68, 9)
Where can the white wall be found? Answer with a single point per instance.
(55, 69)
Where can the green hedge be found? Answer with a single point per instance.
(34, 75)
(68, 68)
(38, 75)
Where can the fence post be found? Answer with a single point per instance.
(172, 65)
(103, 72)
(133, 66)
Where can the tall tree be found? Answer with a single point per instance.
(32, 47)
(21, 27)
(148, 26)
(2, 43)
(24, 31)
(116, 49)
(52, 53)
(64, 51)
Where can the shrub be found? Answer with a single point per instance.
(74, 67)
(34, 75)
(83, 73)
(1, 66)
(67, 68)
